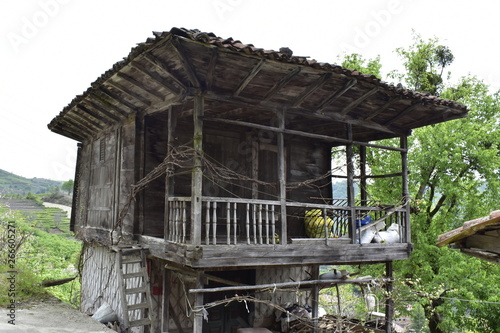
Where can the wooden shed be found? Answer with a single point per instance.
(205, 173)
(477, 238)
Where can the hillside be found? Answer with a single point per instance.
(13, 184)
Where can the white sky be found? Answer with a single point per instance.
(51, 50)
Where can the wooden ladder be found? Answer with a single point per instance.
(133, 281)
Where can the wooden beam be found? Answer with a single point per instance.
(445, 115)
(157, 78)
(70, 130)
(104, 111)
(141, 86)
(57, 282)
(360, 100)
(129, 92)
(190, 72)
(83, 124)
(403, 112)
(281, 83)
(255, 70)
(86, 118)
(336, 94)
(326, 115)
(164, 69)
(273, 286)
(300, 133)
(102, 121)
(384, 107)
(211, 68)
(485, 255)
(106, 104)
(310, 89)
(103, 89)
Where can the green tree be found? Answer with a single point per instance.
(366, 66)
(453, 178)
(68, 186)
(425, 62)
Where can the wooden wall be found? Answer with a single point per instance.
(107, 169)
(99, 280)
(265, 314)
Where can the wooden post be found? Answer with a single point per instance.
(140, 162)
(197, 174)
(315, 298)
(282, 176)
(350, 185)
(116, 185)
(406, 192)
(364, 194)
(389, 304)
(165, 300)
(168, 181)
(198, 305)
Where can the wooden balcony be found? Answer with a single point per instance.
(250, 232)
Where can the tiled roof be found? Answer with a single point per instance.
(414, 107)
(249, 49)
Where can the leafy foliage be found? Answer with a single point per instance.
(453, 178)
(68, 186)
(366, 66)
(425, 62)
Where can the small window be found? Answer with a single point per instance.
(102, 150)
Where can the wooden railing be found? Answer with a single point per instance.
(250, 221)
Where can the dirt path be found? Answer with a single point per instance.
(67, 209)
(49, 316)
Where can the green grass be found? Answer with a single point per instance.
(40, 255)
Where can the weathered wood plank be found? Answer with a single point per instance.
(331, 98)
(484, 242)
(310, 89)
(181, 53)
(249, 77)
(197, 174)
(359, 100)
(141, 86)
(282, 82)
(299, 133)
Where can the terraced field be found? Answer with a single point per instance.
(50, 219)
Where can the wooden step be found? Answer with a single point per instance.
(137, 306)
(135, 290)
(134, 260)
(133, 275)
(140, 322)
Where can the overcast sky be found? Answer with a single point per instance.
(51, 50)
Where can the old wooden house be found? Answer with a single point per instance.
(204, 180)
